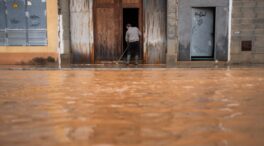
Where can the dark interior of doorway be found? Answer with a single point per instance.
(131, 16)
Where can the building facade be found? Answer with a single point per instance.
(92, 31)
(28, 29)
(247, 34)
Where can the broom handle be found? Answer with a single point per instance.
(124, 52)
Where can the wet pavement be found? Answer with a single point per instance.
(177, 107)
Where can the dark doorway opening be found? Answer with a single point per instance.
(131, 16)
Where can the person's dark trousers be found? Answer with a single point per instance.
(133, 50)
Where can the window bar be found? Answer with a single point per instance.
(6, 21)
(27, 29)
(27, 17)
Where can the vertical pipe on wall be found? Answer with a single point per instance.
(230, 29)
(61, 31)
(60, 49)
(6, 21)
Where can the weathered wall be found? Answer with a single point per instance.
(172, 32)
(81, 26)
(64, 11)
(155, 43)
(247, 25)
(155, 34)
(18, 54)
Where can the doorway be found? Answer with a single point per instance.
(130, 16)
(203, 34)
(110, 19)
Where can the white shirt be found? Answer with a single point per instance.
(132, 34)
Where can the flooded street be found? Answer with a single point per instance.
(181, 107)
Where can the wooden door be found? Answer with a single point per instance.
(107, 30)
(82, 42)
(155, 43)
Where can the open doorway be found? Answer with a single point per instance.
(131, 16)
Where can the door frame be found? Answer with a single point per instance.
(138, 6)
(119, 18)
(206, 58)
(221, 27)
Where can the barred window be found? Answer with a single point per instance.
(23, 23)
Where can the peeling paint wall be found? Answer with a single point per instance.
(82, 40)
(82, 32)
(155, 36)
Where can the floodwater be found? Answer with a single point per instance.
(181, 107)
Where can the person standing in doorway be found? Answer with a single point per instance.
(132, 38)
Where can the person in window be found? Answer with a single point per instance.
(132, 38)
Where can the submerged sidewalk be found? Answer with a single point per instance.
(113, 66)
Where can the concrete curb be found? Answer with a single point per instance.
(130, 68)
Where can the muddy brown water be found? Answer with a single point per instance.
(132, 108)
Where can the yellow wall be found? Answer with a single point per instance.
(52, 30)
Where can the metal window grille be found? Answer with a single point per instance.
(23, 23)
(246, 45)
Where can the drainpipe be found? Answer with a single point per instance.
(60, 49)
(230, 29)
